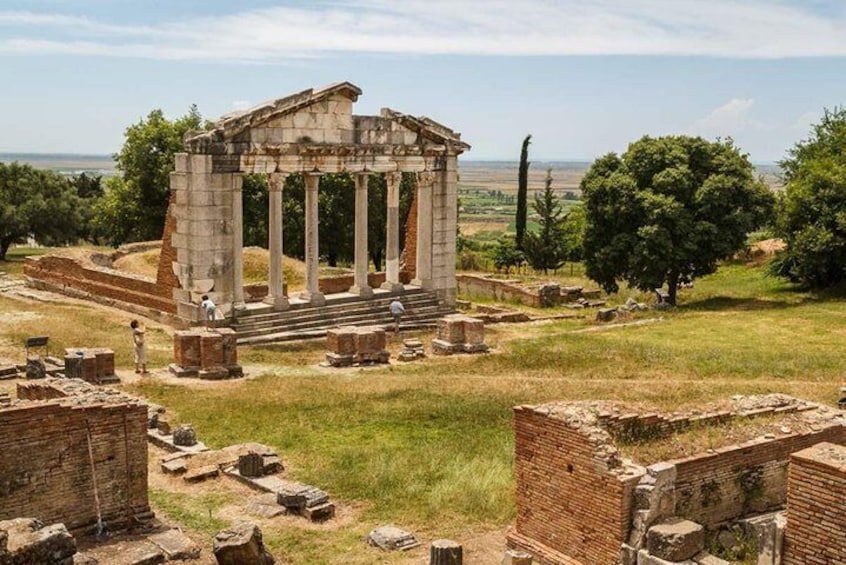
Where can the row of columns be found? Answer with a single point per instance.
(276, 282)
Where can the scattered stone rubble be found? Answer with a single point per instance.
(412, 349)
(392, 538)
(458, 333)
(356, 345)
(210, 354)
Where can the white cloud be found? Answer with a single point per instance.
(723, 28)
(728, 119)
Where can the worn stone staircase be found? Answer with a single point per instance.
(422, 309)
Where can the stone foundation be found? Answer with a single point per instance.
(94, 365)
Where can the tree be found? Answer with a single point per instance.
(812, 213)
(255, 203)
(669, 209)
(35, 203)
(573, 233)
(136, 211)
(506, 255)
(89, 189)
(522, 193)
(544, 249)
(377, 218)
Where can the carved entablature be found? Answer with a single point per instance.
(316, 131)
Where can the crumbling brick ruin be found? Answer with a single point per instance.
(67, 445)
(816, 491)
(580, 502)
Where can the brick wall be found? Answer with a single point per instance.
(571, 508)
(46, 472)
(713, 488)
(408, 256)
(64, 272)
(816, 511)
(166, 279)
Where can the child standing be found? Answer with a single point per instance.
(139, 347)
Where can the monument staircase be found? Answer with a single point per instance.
(263, 325)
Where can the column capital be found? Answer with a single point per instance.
(276, 181)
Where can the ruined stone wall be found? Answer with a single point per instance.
(408, 256)
(570, 508)
(166, 279)
(713, 488)
(46, 472)
(475, 285)
(816, 513)
(68, 275)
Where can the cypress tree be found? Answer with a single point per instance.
(522, 193)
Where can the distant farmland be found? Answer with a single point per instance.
(65, 163)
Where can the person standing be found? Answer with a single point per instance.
(397, 310)
(139, 347)
(209, 309)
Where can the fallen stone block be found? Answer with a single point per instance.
(184, 435)
(201, 474)
(443, 347)
(175, 466)
(606, 314)
(175, 545)
(300, 496)
(516, 557)
(35, 368)
(675, 540)
(337, 360)
(392, 538)
(241, 544)
(27, 541)
(319, 512)
(141, 553)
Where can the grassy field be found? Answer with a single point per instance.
(429, 445)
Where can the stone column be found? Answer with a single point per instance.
(275, 276)
(392, 281)
(360, 284)
(237, 244)
(312, 254)
(423, 279)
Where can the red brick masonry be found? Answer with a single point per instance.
(816, 507)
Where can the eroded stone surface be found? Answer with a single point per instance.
(392, 538)
(241, 545)
(675, 540)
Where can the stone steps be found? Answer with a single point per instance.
(422, 310)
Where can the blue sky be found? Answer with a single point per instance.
(584, 77)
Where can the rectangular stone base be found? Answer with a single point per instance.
(340, 360)
(183, 372)
(443, 347)
(210, 374)
(475, 348)
(213, 374)
(373, 357)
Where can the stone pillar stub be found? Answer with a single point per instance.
(392, 267)
(275, 276)
(312, 293)
(425, 182)
(237, 244)
(360, 284)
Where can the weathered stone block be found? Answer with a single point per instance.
(392, 538)
(675, 540)
(341, 341)
(251, 465)
(175, 545)
(186, 348)
(241, 545)
(185, 435)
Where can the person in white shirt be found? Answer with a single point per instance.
(397, 310)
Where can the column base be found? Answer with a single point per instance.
(393, 287)
(313, 298)
(361, 291)
(425, 284)
(278, 302)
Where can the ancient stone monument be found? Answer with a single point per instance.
(206, 354)
(458, 333)
(311, 133)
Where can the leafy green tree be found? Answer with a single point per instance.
(377, 218)
(89, 189)
(506, 255)
(668, 210)
(544, 249)
(522, 193)
(136, 211)
(812, 213)
(39, 204)
(255, 204)
(573, 232)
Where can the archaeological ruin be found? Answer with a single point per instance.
(309, 133)
(580, 502)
